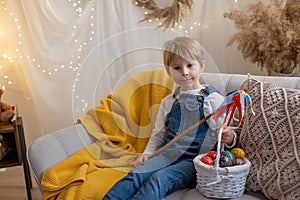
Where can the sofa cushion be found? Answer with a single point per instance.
(271, 139)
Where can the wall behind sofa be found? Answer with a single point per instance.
(55, 40)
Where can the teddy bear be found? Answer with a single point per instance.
(6, 110)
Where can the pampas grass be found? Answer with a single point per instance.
(269, 35)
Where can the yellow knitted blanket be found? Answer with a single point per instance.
(121, 125)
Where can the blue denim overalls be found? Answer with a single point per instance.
(172, 169)
(186, 111)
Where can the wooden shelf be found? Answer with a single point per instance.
(13, 135)
(6, 128)
(10, 134)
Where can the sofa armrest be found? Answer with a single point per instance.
(49, 150)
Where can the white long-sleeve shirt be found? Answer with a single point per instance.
(211, 105)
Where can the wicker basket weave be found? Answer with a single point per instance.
(232, 179)
(221, 182)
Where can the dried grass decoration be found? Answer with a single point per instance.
(178, 11)
(269, 35)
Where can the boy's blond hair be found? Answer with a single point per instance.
(184, 47)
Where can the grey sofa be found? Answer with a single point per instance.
(50, 149)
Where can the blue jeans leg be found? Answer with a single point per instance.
(144, 184)
(168, 180)
(127, 187)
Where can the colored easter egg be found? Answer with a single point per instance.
(228, 154)
(212, 154)
(238, 153)
(207, 160)
(239, 161)
(225, 161)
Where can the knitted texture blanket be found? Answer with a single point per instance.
(121, 125)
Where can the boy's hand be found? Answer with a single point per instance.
(227, 136)
(142, 158)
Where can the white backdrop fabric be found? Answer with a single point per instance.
(76, 52)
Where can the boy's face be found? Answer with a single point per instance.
(186, 73)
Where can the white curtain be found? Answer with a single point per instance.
(69, 53)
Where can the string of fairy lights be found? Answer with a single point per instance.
(6, 58)
(75, 63)
(81, 7)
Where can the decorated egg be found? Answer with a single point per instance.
(239, 161)
(225, 161)
(207, 160)
(212, 154)
(228, 154)
(238, 153)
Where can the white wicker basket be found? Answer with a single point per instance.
(231, 179)
(221, 182)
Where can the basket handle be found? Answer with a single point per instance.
(220, 148)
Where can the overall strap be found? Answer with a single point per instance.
(176, 92)
(209, 90)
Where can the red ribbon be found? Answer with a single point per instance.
(230, 109)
